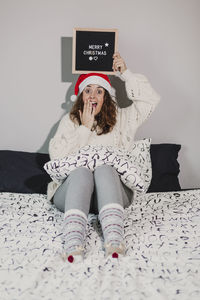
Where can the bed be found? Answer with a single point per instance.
(162, 235)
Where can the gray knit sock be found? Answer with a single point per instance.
(74, 231)
(112, 223)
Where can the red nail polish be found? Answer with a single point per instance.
(70, 259)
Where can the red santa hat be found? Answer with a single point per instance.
(91, 78)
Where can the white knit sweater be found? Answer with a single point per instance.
(70, 137)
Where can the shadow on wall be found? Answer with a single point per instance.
(67, 76)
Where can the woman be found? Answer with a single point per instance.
(95, 119)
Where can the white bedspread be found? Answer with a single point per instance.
(162, 233)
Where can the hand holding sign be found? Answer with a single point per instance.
(118, 63)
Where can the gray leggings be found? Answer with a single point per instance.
(90, 191)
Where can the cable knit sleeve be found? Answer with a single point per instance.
(68, 138)
(144, 97)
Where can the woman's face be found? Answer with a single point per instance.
(95, 94)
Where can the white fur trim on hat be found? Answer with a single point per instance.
(95, 80)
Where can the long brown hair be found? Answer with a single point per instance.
(105, 119)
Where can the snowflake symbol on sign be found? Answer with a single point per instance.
(106, 44)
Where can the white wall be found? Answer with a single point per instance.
(159, 38)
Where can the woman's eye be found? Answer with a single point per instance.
(87, 91)
(99, 92)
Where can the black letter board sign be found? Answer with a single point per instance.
(93, 50)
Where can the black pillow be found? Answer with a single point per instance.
(22, 172)
(165, 168)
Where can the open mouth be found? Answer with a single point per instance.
(94, 104)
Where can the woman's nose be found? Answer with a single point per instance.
(92, 95)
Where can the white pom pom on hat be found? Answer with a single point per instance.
(73, 98)
(91, 78)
